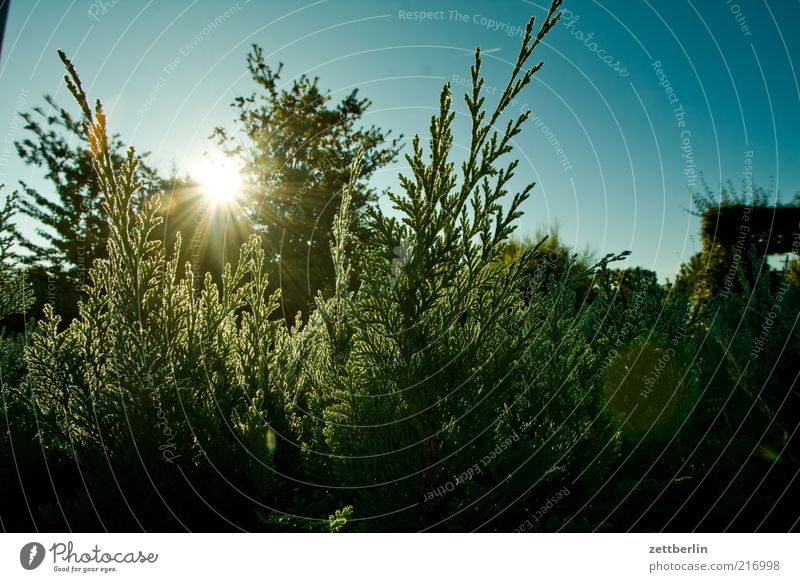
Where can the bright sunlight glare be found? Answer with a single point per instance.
(219, 178)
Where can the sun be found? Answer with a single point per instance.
(219, 177)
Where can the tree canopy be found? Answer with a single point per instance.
(297, 146)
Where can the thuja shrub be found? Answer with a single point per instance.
(456, 401)
(747, 418)
(169, 394)
(17, 442)
(647, 341)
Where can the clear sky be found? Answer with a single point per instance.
(636, 98)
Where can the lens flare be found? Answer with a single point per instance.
(271, 441)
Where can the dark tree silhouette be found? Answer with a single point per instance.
(298, 148)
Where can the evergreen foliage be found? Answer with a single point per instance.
(14, 291)
(71, 227)
(439, 369)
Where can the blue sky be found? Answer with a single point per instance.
(634, 101)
